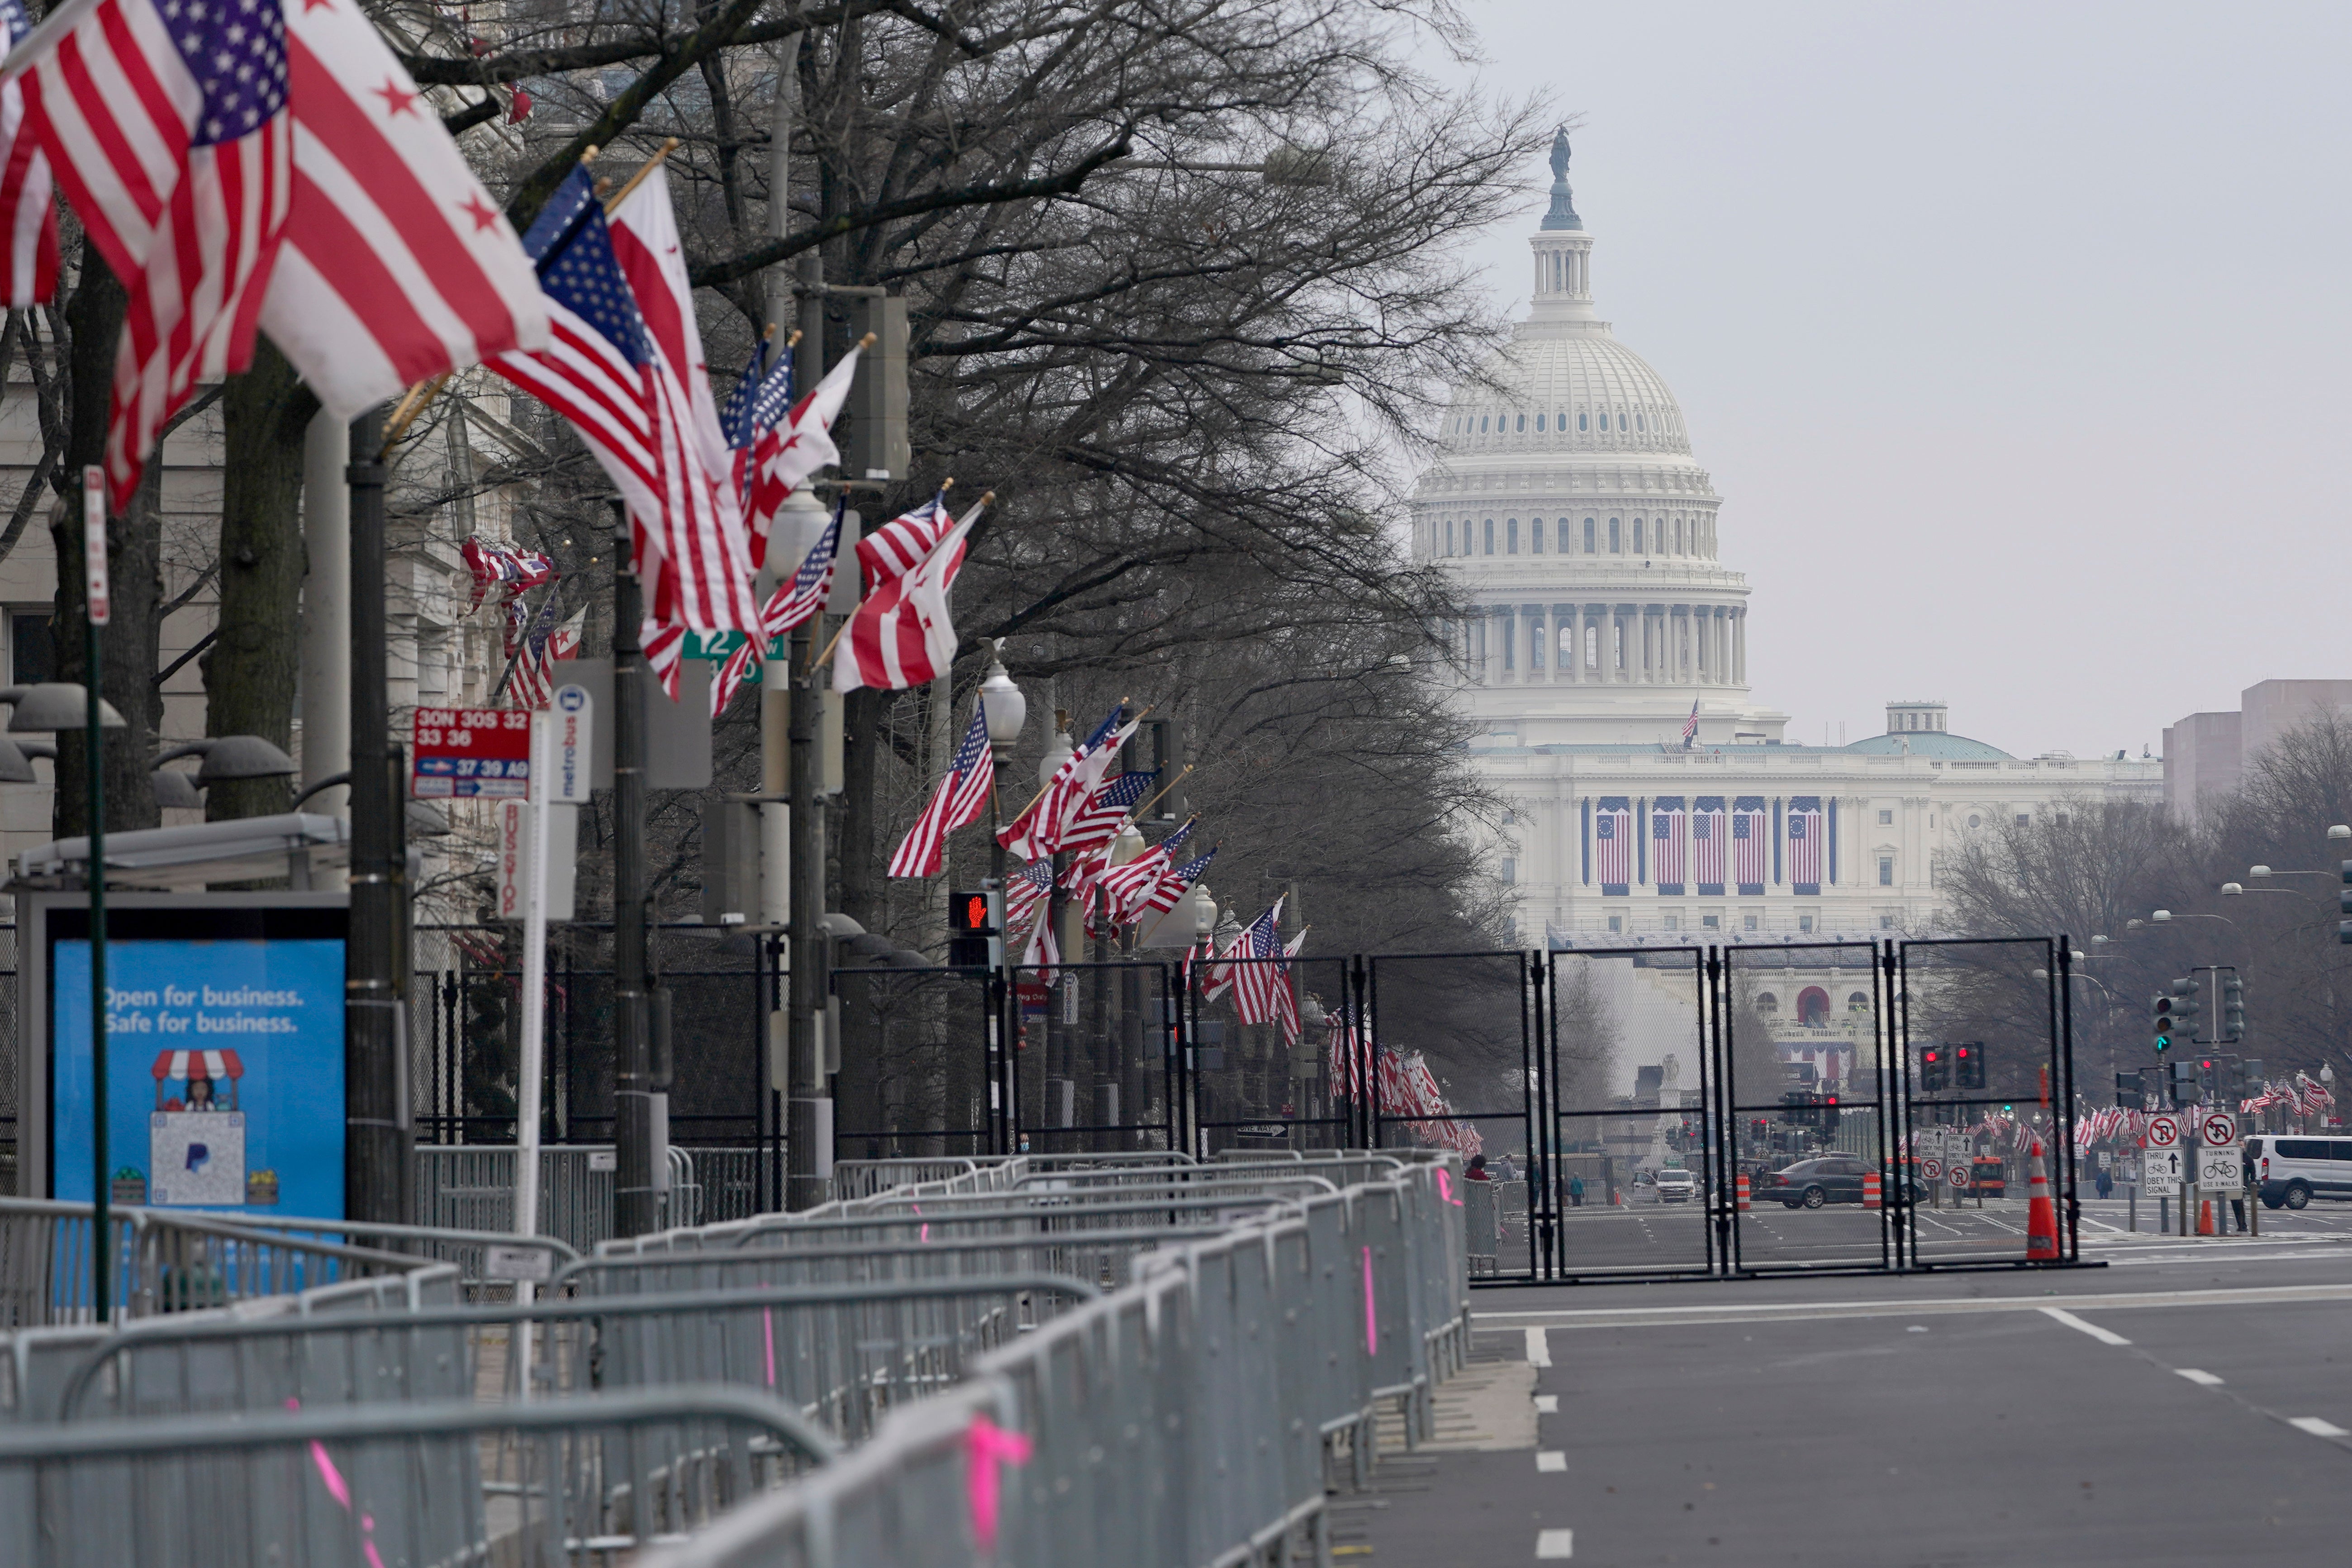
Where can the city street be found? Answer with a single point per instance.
(2191, 1402)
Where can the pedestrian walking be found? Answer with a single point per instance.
(2107, 1182)
(1575, 1191)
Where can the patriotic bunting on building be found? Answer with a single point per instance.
(1805, 844)
(1709, 833)
(1613, 845)
(1750, 843)
(1667, 848)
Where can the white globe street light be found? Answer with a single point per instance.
(1006, 708)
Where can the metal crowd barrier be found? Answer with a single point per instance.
(163, 1261)
(573, 1481)
(839, 1354)
(1194, 1417)
(489, 1263)
(471, 1186)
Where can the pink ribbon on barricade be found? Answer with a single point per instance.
(341, 1493)
(1445, 1188)
(987, 1445)
(1371, 1322)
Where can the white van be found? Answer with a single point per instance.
(2291, 1172)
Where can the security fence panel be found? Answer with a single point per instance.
(1274, 1061)
(1810, 1162)
(922, 1089)
(1094, 1067)
(1453, 1061)
(1985, 1123)
(1628, 1084)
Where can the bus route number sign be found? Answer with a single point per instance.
(470, 753)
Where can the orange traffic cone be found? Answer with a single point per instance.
(2205, 1217)
(2041, 1214)
(1742, 1189)
(1870, 1193)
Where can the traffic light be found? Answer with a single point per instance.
(2186, 1090)
(2233, 1007)
(1935, 1073)
(2187, 1013)
(2343, 903)
(975, 930)
(874, 428)
(1968, 1066)
(2254, 1075)
(2128, 1091)
(1829, 1114)
(2167, 1029)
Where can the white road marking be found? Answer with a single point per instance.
(1554, 1543)
(1547, 1403)
(2105, 1336)
(2317, 1427)
(2201, 1379)
(1732, 1312)
(1539, 1348)
(1551, 1459)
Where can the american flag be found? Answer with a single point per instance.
(1254, 984)
(1690, 725)
(1176, 883)
(1038, 829)
(165, 123)
(28, 217)
(705, 583)
(1124, 887)
(1025, 891)
(901, 635)
(899, 546)
(1706, 825)
(962, 797)
(790, 450)
(1750, 850)
(1613, 838)
(532, 684)
(1042, 953)
(1347, 1054)
(512, 572)
(1805, 844)
(794, 601)
(761, 400)
(1666, 849)
(1105, 810)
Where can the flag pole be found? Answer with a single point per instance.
(1172, 783)
(97, 612)
(1049, 783)
(613, 202)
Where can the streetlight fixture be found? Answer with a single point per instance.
(1007, 710)
(2339, 831)
(53, 705)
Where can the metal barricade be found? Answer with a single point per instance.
(489, 1263)
(1479, 1218)
(570, 1480)
(161, 1262)
(1192, 1417)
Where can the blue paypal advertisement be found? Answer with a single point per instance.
(225, 1071)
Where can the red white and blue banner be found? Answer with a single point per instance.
(1751, 835)
(1805, 834)
(1666, 851)
(1613, 845)
(1708, 829)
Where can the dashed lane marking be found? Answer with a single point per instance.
(2201, 1379)
(1552, 1545)
(2105, 1336)
(1547, 1403)
(1539, 1348)
(2310, 1423)
(1550, 1459)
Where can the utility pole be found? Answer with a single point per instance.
(809, 1123)
(638, 1159)
(378, 1146)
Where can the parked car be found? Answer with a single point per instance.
(2291, 1172)
(1677, 1187)
(1809, 1183)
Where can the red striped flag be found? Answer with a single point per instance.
(786, 454)
(899, 546)
(1750, 839)
(397, 266)
(28, 211)
(962, 797)
(166, 125)
(1805, 844)
(1709, 839)
(1612, 842)
(901, 637)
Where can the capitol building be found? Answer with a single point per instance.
(1604, 657)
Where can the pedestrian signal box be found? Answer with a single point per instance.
(975, 930)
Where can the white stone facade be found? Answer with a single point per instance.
(1584, 532)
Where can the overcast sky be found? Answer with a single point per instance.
(2013, 336)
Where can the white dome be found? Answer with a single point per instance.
(1578, 390)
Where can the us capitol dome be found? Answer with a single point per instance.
(1603, 653)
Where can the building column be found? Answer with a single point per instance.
(1717, 645)
(1739, 649)
(1624, 615)
(1538, 666)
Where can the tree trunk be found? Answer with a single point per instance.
(249, 672)
(134, 566)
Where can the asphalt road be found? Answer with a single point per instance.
(2191, 1402)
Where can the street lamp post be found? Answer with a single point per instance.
(1006, 711)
